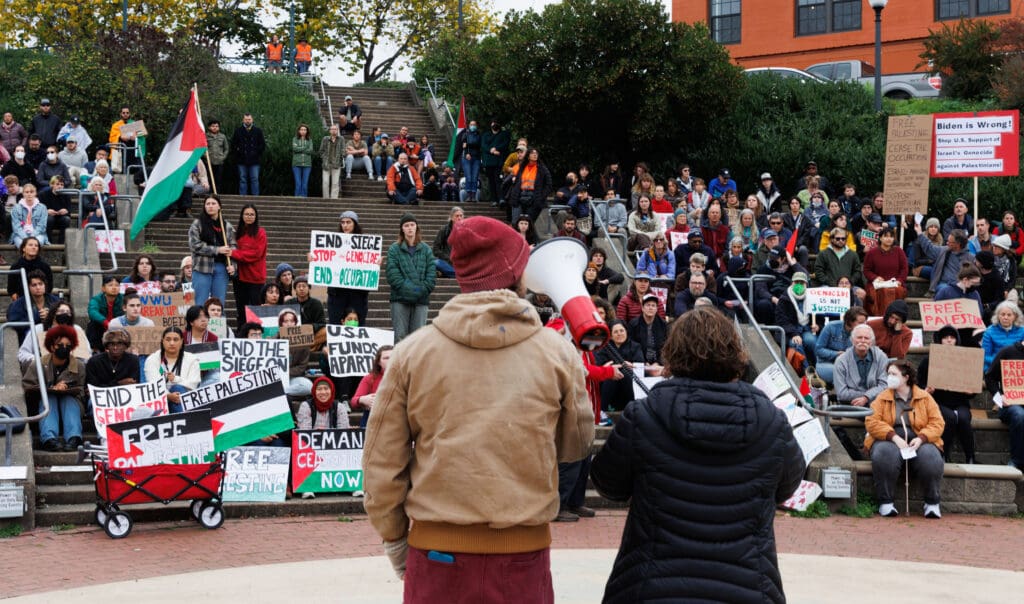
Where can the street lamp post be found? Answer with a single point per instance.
(878, 5)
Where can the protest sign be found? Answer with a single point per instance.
(208, 353)
(956, 368)
(772, 381)
(143, 288)
(267, 316)
(180, 438)
(145, 340)
(961, 313)
(662, 293)
(245, 408)
(665, 219)
(117, 403)
(908, 150)
(350, 350)
(327, 461)
(218, 326)
(299, 336)
(256, 473)
(187, 288)
(105, 244)
(676, 238)
(805, 494)
(983, 143)
(136, 127)
(345, 260)
(868, 240)
(1013, 382)
(827, 300)
(812, 440)
(166, 309)
(796, 414)
(247, 356)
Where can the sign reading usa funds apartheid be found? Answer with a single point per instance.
(327, 461)
(350, 350)
(986, 143)
(256, 474)
(245, 408)
(345, 260)
(118, 403)
(180, 438)
(246, 356)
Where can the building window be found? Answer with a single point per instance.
(954, 9)
(725, 21)
(824, 16)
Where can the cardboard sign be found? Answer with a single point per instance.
(961, 313)
(327, 461)
(118, 403)
(208, 354)
(256, 473)
(343, 260)
(1013, 382)
(665, 219)
(166, 309)
(827, 300)
(299, 336)
(908, 154)
(245, 408)
(136, 127)
(105, 244)
(677, 239)
(218, 326)
(180, 438)
(986, 143)
(247, 356)
(143, 288)
(145, 340)
(267, 316)
(956, 368)
(868, 240)
(350, 350)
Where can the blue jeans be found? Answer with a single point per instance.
(179, 389)
(407, 318)
(302, 66)
(249, 180)
(445, 268)
(211, 284)
(209, 377)
(63, 409)
(301, 174)
(405, 198)
(1013, 416)
(381, 165)
(471, 170)
(807, 347)
(826, 371)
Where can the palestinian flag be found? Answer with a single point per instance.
(791, 244)
(208, 354)
(186, 144)
(460, 128)
(249, 416)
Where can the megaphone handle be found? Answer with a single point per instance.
(626, 370)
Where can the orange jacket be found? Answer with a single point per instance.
(393, 177)
(274, 52)
(924, 418)
(303, 52)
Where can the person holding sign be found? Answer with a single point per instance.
(178, 368)
(410, 273)
(967, 283)
(906, 426)
(954, 406)
(212, 241)
(465, 522)
(65, 383)
(251, 257)
(339, 299)
(1003, 374)
(298, 384)
(790, 314)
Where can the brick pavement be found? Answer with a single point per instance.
(85, 556)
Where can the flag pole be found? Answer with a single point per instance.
(209, 164)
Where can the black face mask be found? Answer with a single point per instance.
(63, 319)
(62, 352)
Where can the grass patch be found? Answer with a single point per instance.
(865, 507)
(818, 509)
(150, 248)
(345, 519)
(57, 528)
(382, 84)
(11, 530)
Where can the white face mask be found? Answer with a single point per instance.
(19, 155)
(894, 381)
(51, 156)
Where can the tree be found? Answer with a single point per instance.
(598, 79)
(372, 36)
(966, 54)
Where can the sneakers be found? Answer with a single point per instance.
(371, 177)
(565, 515)
(888, 510)
(309, 495)
(931, 510)
(348, 177)
(73, 443)
(357, 493)
(605, 420)
(51, 445)
(379, 178)
(583, 512)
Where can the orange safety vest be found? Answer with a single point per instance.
(274, 52)
(304, 53)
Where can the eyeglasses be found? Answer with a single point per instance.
(774, 222)
(839, 239)
(170, 281)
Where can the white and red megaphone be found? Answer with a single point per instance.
(556, 268)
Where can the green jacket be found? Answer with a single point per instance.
(302, 152)
(499, 141)
(98, 308)
(217, 145)
(332, 153)
(411, 274)
(828, 267)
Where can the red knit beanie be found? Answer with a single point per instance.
(487, 254)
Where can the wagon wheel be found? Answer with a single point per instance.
(118, 525)
(102, 515)
(194, 506)
(211, 515)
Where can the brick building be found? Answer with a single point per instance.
(799, 33)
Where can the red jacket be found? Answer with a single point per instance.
(630, 308)
(1017, 239)
(717, 238)
(595, 375)
(663, 206)
(251, 257)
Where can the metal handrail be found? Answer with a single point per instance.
(324, 97)
(438, 102)
(131, 208)
(44, 399)
(610, 236)
(85, 247)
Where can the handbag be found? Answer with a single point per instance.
(115, 161)
(7, 411)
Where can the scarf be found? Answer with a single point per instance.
(802, 317)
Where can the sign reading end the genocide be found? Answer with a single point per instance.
(327, 461)
(118, 403)
(180, 438)
(350, 350)
(1013, 382)
(956, 368)
(961, 313)
(827, 300)
(345, 260)
(908, 151)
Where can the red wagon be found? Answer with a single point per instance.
(202, 483)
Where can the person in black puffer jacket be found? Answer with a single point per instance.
(705, 459)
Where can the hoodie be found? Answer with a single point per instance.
(703, 464)
(307, 417)
(483, 477)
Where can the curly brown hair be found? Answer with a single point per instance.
(703, 344)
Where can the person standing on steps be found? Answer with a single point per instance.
(275, 54)
(331, 158)
(218, 148)
(302, 160)
(469, 143)
(248, 146)
(212, 241)
(495, 147)
(342, 299)
(251, 258)
(411, 274)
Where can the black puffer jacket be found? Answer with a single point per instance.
(705, 464)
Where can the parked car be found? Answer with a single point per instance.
(786, 72)
(894, 85)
